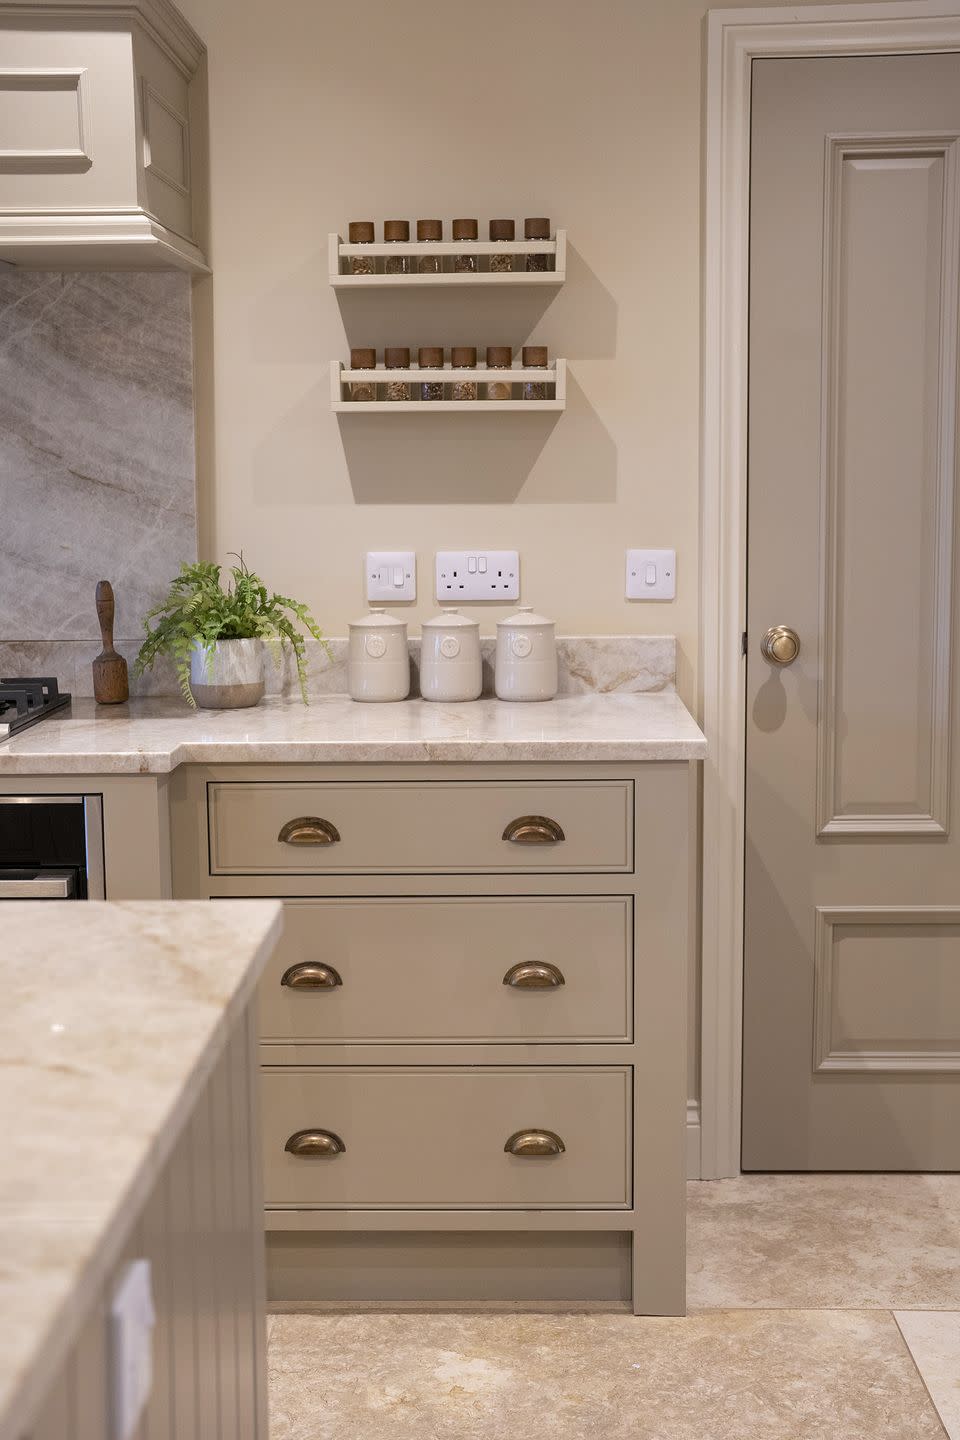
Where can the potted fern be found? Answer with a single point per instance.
(216, 636)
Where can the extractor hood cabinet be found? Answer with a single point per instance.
(102, 136)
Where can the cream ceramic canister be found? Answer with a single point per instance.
(378, 660)
(450, 665)
(526, 662)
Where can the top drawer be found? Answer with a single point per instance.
(404, 827)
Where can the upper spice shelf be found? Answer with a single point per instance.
(513, 378)
(341, 253)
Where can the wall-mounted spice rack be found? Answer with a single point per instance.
(342, 378)
(341, 253)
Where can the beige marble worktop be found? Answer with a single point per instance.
(113, 1015)
(153, 737)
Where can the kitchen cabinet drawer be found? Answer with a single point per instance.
(363, 827)
(434, 1137)
(433, 969)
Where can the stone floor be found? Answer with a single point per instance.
(821, 1307)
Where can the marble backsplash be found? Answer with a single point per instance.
(588, 664)
(97, 472)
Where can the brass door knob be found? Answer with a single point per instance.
(534, 830)
(533, 1144)
(780, 645)
(309, 830)
(315, 1144)
(311, 976)
(533, 975)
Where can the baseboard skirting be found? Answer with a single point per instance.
(693, 1140)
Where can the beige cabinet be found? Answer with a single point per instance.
(102, 136)
(473, 1032)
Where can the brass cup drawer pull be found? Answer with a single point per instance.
(315, 1144)
(533, 975)
(309, 830)
(534, 830)
(533, 1144)
(311, 976)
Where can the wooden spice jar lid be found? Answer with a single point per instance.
(465, 229)
(396, 229)
(396, 357)
(502, 229)
(429, 229)
(534, 355)
(499, 356)
(361, 232)
(364, 358)
(430, 357)
(463, 356)
(536, 229)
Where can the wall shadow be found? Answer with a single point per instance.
(442, 459)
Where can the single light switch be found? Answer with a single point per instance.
(651, 575)
(132, 1319)
(391, 575)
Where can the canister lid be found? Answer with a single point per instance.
(451, 620)
(396, 357)
(536, 228)
(429, 229)
(464, 229)
(377, 619)
(396, 229)
(463, 356)
(363, 357)
(430, 357)
(361, 232)
(525, 618)
(502, 229)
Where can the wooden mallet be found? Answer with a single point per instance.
(110, 683)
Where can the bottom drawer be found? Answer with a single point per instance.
(434, 1138)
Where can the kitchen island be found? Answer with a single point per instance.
(129, 1124)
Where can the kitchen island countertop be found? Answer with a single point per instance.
(154, 737)
(103, 1061)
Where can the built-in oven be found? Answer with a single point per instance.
(51, 847)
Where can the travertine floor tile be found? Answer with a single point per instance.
(724, 1376)
(822, 1241)
(934, 1340)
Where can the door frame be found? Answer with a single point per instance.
(734, 39)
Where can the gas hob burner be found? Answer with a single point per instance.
(25, 701)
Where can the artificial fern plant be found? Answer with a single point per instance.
(198, 610)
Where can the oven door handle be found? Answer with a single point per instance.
(43, 885)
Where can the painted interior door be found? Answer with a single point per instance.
(852, 979)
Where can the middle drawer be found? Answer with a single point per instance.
(451, 969)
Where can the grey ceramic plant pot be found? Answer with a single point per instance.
(228, 678)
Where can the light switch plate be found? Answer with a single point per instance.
(651, 574)
(132, 1319)
(391, 575)
(477, 575)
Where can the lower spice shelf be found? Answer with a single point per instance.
(553, 377)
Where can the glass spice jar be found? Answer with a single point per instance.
(465, 230)
(537, 229)
(430, 357)
(363, 359)
(394, 230)
(499, 357)
(361, 232)
(534, 358)
(501, 230)
(464, 357)
(430, 230)
(397, 357)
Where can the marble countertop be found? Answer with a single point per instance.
(102, 1062)
(153, 737)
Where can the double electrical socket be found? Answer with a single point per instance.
(478, 575)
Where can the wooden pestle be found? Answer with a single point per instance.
(110, 683)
